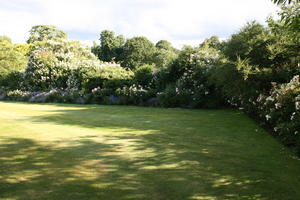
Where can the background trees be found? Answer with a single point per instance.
(136, 52)
(12, 56)
(45, 32)
(110, 48)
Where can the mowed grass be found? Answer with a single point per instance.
(71, 152)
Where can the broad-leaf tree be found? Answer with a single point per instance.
(12, 56)
(45, 32)
(136, 52)
(110, 46)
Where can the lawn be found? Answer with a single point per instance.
(70, 152)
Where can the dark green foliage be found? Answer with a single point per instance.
(110, 47)
(136, 52)
(213, 42)
(12, 81)
(143, 76)
(164, 44)
(164, 55)
(251, 43)
(172, 97)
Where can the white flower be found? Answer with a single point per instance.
(297, 105)
(268, 117)
(293, 116)
(275, 129)
(259, 98)
(269, 98)
(95, 89)
(206, 92)
(277, 105)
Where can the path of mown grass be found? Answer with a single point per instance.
(117, 152)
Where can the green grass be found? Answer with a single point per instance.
(70, 152)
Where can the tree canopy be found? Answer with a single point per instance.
(45, 32)
(12, 56)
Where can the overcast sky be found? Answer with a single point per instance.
(179, 21)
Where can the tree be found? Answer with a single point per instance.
(45, 32)
(164, 44)
(284, 47)
(4, 38)
(12, 56)
(251, 42)
(110, 47)
(290, 16)
(136, 52)
(212, 42)
(165, 54)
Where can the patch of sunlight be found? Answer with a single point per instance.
(6, 141)
(19, 156)
(163, 166)
(102, 185)
(225, 180)
(22, 176)
(42, 163)
(14, 158)
(238, 196)
(91, 170)
(202, 197)
(205, 151)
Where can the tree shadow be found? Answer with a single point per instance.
(159, 164)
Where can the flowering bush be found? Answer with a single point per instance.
(17, 95)
(280, 109)
(50, 63)
(134, 95)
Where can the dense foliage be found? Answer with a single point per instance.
(256, 69)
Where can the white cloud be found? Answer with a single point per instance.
(188, 21)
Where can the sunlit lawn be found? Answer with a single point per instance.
(117, 152)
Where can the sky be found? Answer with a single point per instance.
(178, 21)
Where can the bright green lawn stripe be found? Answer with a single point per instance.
(57, 151)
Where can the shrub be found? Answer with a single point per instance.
(17, 95)
(134, 95)
(144, 75)
(282, 110)
(172, 97)
(12, 80)
(107, 76)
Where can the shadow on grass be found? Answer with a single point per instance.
(162, 164)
